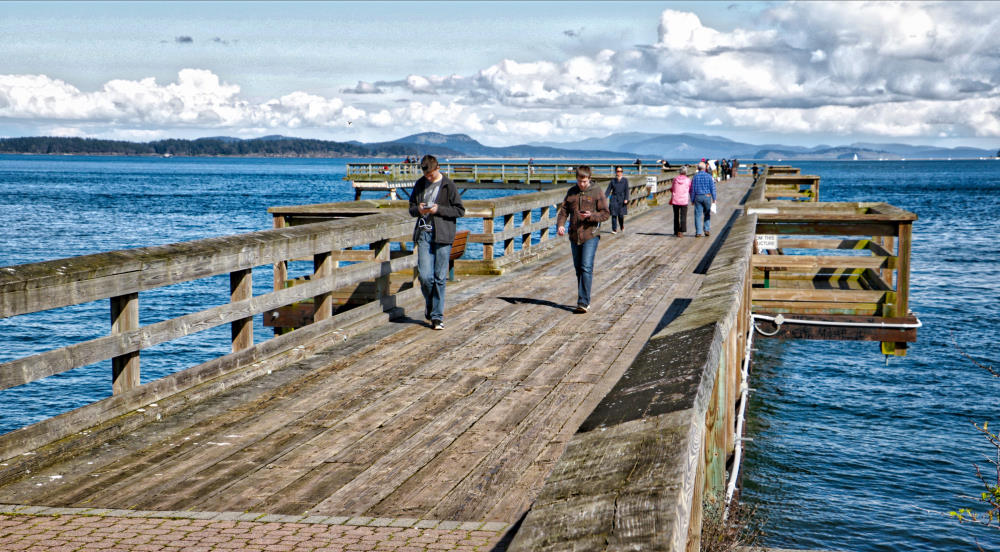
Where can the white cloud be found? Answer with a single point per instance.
(879, 68)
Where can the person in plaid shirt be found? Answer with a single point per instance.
(703, 197)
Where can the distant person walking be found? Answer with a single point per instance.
(617, 194)
(754, 170)
(680, 198)
(436, 203)
(703, 197)
(585, 207)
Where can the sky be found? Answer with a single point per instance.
(505, 73)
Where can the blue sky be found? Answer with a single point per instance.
(504, 72)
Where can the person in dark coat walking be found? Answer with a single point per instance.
(617, 194)
(437, 204)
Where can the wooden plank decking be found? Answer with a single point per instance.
(402, 421)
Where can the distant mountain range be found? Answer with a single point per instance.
(694, 146)
(672, 147)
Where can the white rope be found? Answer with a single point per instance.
(780, 319)
(740, 418)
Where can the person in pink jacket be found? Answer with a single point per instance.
(680, 197)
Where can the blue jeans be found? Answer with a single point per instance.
(583, 262)
(702, 207)
(432, 264)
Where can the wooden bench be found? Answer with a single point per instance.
(457, 250)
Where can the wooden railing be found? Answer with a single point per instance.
(636, 474)
(120, 277)
(793, 187)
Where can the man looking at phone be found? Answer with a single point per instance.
(585, 207)
(436, 203)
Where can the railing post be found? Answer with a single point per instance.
(526, 225)
(124, 318)
(381, 249)
(488, 247)
(905, 232)
(508, 243)
(240, 288)
(280, 268)
(889, 244)
(543, 234)
(323, 303)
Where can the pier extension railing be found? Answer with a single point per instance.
(470, 171)
(637, 472)
(393, 177)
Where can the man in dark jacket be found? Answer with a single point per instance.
(617, 193)
(436, 202)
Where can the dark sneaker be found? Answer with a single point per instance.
(437, 325)
(707, 233)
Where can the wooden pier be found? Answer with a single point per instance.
(601, 431)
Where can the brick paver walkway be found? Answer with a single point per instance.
(37, 529)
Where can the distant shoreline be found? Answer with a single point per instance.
(743, 160)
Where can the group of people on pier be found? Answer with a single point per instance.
(437, 205)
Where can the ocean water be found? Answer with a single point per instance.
(849, 453)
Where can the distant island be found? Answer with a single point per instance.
(677, 147)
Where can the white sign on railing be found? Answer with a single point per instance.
(651, 184)
(767, 241)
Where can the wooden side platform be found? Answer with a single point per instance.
(836, 270)
(390, 419)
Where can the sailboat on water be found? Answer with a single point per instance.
(855, 156)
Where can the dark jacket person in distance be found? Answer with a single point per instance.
(617, 193)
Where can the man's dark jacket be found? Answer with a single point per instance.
(449, 204)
